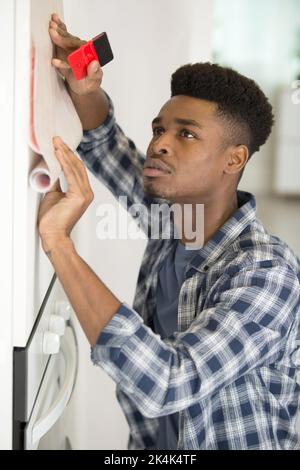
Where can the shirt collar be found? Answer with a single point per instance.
(226, 235)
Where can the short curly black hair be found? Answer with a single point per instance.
(240, 102)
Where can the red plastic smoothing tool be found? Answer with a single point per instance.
(97, 49)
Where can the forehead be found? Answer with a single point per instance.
(186, 107)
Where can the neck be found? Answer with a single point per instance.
(198, 222)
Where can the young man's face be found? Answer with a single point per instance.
(189, 144)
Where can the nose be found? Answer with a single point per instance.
(161, 145)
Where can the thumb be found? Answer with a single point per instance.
(56, 187)
(94, 71)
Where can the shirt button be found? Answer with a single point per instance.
(206, 268)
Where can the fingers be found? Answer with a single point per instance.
(61, 65)
(60, 36)
(73, 185)
(55, 18)
(64, 39)
(73, 168)
(66, 43)
(62, 31)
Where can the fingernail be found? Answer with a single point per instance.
(57, 142)
(95, 67)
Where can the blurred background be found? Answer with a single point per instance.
(261, 39)
(150, 39)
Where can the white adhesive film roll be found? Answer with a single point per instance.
(52, 111)
(40, 178)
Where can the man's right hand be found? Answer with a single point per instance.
(65, 43)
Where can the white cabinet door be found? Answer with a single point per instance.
(32, 271)
(7, 10)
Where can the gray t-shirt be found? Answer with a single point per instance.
(170, 280)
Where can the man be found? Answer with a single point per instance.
(207, 358)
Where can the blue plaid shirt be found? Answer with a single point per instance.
(230, 369)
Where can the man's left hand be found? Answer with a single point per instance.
(59, 212)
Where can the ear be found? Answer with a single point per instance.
(236, 159)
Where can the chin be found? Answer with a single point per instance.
(152, 191)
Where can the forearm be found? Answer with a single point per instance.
(92, 108)
(93, 303)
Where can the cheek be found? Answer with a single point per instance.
(195, 164)
(202, 170)
(190, 176)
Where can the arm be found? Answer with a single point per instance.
(245, 329)
(114, 160)
(92, 108)
(93, 302)
(89, 99)
(107, 152)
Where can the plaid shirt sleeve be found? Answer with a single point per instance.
(243, 326)
(114, 159)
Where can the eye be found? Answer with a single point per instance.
(157, 130)
(187, 134)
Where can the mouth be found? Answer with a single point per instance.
(155, 168)
(154, 172)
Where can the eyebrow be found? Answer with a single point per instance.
(184, 122)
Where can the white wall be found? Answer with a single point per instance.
(150, 39)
